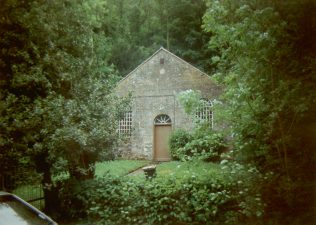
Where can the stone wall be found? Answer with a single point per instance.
(154, 86)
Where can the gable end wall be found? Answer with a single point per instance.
(154, 87)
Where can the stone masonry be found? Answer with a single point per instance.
(154, 86)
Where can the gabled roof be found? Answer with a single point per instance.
(159, 50)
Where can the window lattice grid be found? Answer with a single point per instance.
(162, 119)
(204, 112)
(125, 125)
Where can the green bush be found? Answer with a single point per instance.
(207, 147)
(178, 139)
(121, 200)
(204, 144)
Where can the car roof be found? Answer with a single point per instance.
(4, 193)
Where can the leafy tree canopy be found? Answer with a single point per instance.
(138, 28)
(56, 106)
(266, 61)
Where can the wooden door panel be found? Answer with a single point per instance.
(161, 138)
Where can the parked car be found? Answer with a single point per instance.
(15, 211)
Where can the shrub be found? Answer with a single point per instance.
(207, 146)
(121, 200)
(178, 139)
(204, 144)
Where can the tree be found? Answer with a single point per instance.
(21, 83)
(138, 28)
(266, 60)
(56, 107)
(74, 57)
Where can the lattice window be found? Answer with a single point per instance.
(125, 125)
(204, 112)
(162, 119)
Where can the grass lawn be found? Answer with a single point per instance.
(115, 167)
(184, 170)
(118, 167)
(177, 171)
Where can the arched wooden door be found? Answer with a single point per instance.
(162, 131)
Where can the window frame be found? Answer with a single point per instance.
(162, 119)
(125, 125)
(204, 113)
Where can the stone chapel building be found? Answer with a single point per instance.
(155, 111)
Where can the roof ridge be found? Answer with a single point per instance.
(155, 53)
(162, 48)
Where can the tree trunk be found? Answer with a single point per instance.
(50, 193)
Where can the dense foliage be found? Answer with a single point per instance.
(178, 139)
(57, 112)
(138, 28)
(203, 144)
(266, 62)
(57, 69)
(20, 85)
(122, 200)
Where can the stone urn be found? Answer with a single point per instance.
(150, 171)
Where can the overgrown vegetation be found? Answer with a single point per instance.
(217, 199)
(178, 139)
(266, 62)
(58, 63)
(57, 113)
(139, 28)
(203, 144)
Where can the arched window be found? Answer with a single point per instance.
(204, 112)
(162, 120)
